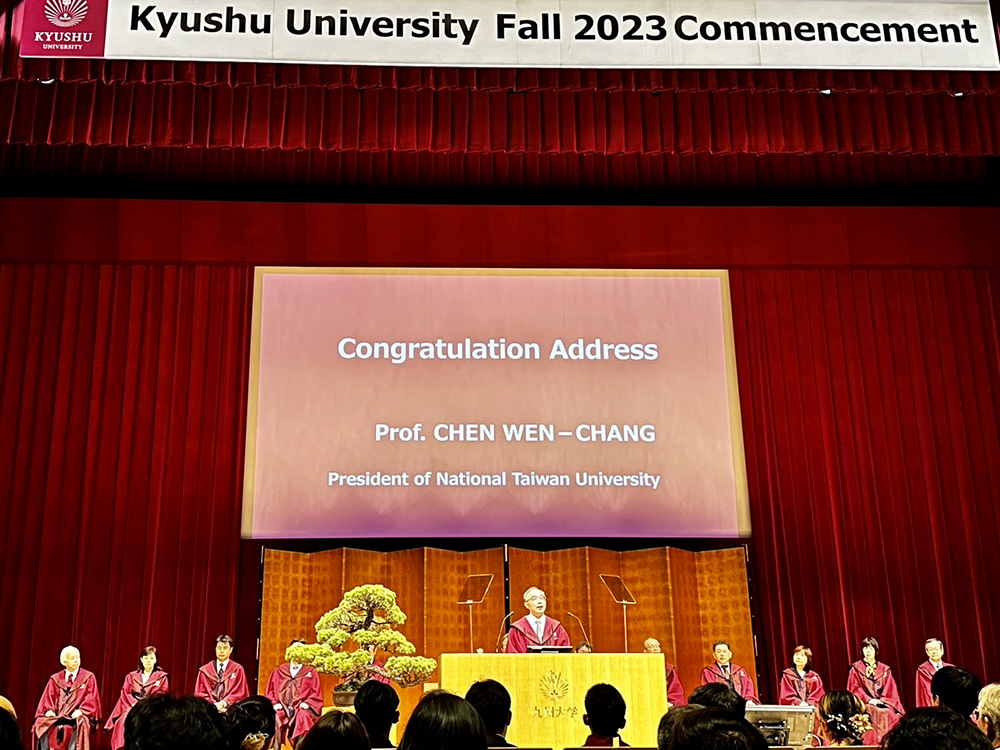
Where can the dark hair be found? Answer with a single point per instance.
(377, 704)
(605, 710)
(717, 695)
(296, 640)
(443, 721)
(935, 729)
(162, 722)
(10, 732)
(869, 641)
(721, 643)
(583, 644)
(492, 701)
(337, 729)
(715, 729)
(146, 651)
(250, 723)
(665, 730)
(836, 710)
(957, 689)
(809, 657)
(226, 639)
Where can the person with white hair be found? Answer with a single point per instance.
(535, 629)
(70, 704)
(987, 714)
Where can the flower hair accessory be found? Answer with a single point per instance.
(861, 724)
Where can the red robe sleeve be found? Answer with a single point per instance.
(816, 690)
(517, 642)
(747, 689)
(203, 684)
(236, 684)
(125, 701)
(675, 691)
(890, 693)
(310, 693)
(788, 694)
(855, 684)
(273, 692)
(561, 637)
(925, 673)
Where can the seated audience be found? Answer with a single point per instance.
(492, 701)
(10, 733)
(665, 730)
(957, 689)
(934, 729)
(337, 730)
(443, 721)
(162, 722)
(842, 720)
(714, 729)
(583, 648)
(717, 695)
(377, 705)
(605, 716)
(988, 713)
(250, 724)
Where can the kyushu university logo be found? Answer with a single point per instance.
(65, 13)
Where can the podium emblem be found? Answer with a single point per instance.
(554, 686)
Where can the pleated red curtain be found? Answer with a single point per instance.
(122, 392)
(871, 404)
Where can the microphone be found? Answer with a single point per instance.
(585, 636)
(500, 634)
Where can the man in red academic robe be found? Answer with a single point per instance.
(295, 691)
(535, 629)
(723, 671)
(675, 691)
(70, 704)
(222, 681)
(925, 672)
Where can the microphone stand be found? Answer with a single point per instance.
(585, 636)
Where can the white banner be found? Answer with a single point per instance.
(903, 34)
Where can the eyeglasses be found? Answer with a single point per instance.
(975, 715)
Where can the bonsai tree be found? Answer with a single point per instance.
(366, 616)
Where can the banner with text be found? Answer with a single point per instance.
(894, 34)
(488, 403)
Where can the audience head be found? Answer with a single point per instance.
(842, 717)
(934, 647)
(10, 733)
(583, 648)
(651, 646)
(665, 730)
(7, 706)
(443, 721)
(336, 729)
(224, 646)
(717, 695)
(148, 657)
(802, 658)
(492, 701)
(250, 724)
(377, 705)
(988, 713)
(957, 689)
(935, 729)
(715, 729)
(869, 646)
(162, 722)
(605, 709)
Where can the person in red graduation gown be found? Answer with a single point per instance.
(675, 691)
(535, 629)
(872, 682)
(222, 681)
(295, 691)
(725, 672)
(934, 648)
(800, 685)
(145, 681)
(71, 703)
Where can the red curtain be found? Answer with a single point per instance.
(871, 404)
(122, 393)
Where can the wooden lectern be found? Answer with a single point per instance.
(547, 692)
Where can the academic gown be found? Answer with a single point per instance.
(795, 689)
(675, 691)
(522, 635)
(133, 691)
(881, 686)
(925, 672)
(291, 692)
(63, 698)
(740, 680)
(231, 687)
